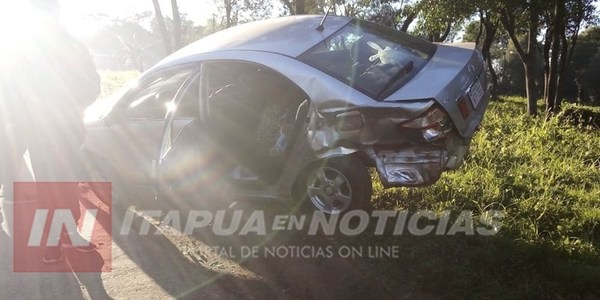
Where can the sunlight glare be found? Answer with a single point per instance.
(15, 23)
(171, 106)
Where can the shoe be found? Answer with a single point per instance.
(83, 244)
(52, 255)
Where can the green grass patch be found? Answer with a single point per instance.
(580, 115)
(545, 176)
(114, 80)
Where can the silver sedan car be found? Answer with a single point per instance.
(293, 108)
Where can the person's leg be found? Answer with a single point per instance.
(11, 159)
(56, 160)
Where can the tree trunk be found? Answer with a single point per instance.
(162, 28)
(493, 76)
(438, 37)
(530, 85)
(554, 56)
(409, 19)
(546, 53)
(446, 32)
(176, 25)
(531, 60)
(228, 8)
(490, 34)
(480, 30)
(289, 6)
(528, 58)
(562, 68)
(300, 7)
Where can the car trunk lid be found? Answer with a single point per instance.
(453, 76)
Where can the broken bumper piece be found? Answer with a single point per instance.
(416, 166)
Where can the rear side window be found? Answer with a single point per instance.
(375, 60)
(154, 98)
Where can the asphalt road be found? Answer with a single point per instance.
(170, 265)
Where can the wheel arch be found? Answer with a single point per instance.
(336, 153)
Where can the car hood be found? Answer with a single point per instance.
(445, 78)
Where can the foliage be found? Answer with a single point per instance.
(112, 81)
(134, 42)
(510, 33)
(390, 13)
(437, 18)
(580, 115)
(583, 76)
(545, 176)
(233, 12)
(126, 44)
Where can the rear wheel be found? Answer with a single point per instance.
(336, 186)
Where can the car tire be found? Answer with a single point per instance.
(336, 186)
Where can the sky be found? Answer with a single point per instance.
(78, 15)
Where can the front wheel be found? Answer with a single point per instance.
(337, 185)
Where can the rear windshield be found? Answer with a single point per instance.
(373, 59)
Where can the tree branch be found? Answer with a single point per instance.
(509, 25)
(289, 6)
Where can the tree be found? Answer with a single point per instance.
(176, 25)
(487, 27)
(162, 27)
(438, 18)
(564, 22)
(398, 15)
(585, 66)
(254, 10)
(125, 44)
(240, 11)
(350, 8)
(301, 7)
(230, 12)
(510, 13)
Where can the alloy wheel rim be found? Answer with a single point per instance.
(329, 190)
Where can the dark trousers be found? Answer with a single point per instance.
(57, 157)
(11, 159)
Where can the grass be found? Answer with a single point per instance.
(114, 80)
(581, 115)
(544, 176)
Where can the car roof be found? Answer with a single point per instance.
(290, 36)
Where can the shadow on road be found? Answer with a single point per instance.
(285, 273)
(33, 285)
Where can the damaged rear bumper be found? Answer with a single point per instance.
(417, 165)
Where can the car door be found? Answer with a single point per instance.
(189, 161)
(250, 116)
(135, 139)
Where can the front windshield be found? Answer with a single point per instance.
(373, 59)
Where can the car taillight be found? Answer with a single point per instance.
(435, 124)
(462, 106)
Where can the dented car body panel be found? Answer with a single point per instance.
(406, 107)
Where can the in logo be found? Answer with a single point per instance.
(61, 227)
